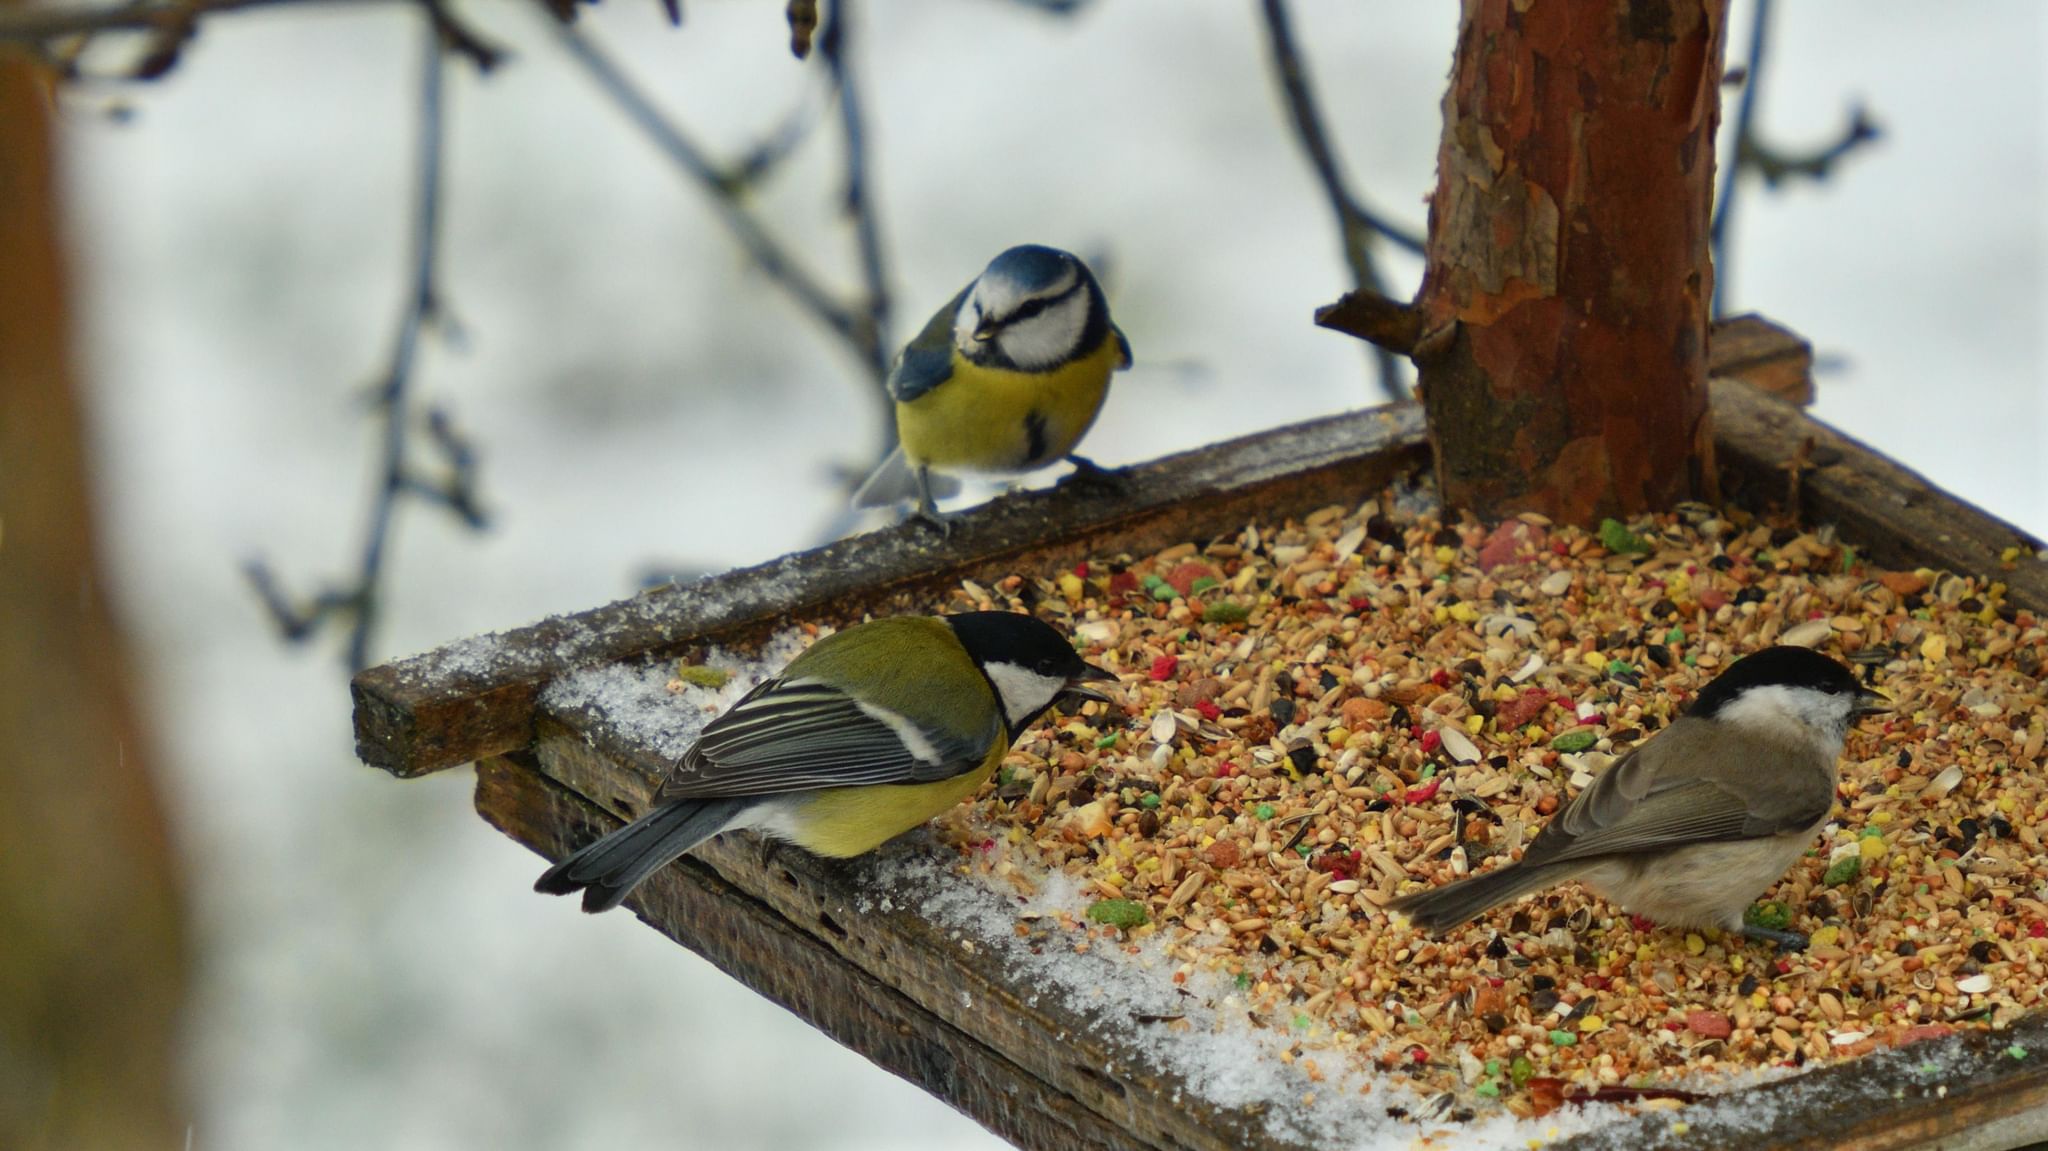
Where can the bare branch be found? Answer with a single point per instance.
(422, 305)
(767, 253)
(859, 208)
(1775, 165)
(1356, 224)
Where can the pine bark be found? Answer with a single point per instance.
(1565, 306)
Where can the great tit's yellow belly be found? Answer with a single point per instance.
(994, 420)
(846, 821)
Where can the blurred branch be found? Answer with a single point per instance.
(1357, 225)
(455, 489)
(862, 323)
(767, 253)
(170, 26)
(1774, 164)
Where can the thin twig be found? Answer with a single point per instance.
(400, 477)
(767, 253)
(1357, 225)
(863, 323)
(1774, 164)
(23, 24)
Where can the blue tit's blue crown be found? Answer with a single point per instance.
(1032, 268)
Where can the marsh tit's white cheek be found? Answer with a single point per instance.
(1025, 692)
(1792, 714)
(1049, 338)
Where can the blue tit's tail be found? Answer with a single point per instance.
(894, 481)
(1442, 908)
(608, 870)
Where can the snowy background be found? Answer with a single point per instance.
(374, 969)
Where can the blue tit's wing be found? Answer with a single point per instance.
(800, 734)
(1692, 783)
(1123, 348)
(927, 360)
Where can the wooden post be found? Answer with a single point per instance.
(1563, 316)
(91, 933)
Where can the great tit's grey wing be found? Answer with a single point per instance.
(927, 360)
(1123, 348)
(799, 734)
(1691, 784)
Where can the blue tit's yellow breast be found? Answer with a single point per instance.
(986, 419)
(847, 821)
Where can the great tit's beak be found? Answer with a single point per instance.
(1077, 685)
(1870, 699)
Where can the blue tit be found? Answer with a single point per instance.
(1005, 379)
(1694, 823)
(867, 734)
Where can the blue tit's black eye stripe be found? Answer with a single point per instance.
(1032, 307)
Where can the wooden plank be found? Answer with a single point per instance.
(1777, 454)
(833, 903)
(1938, 1093)
(476, 697)
(1755, 350)
(758, 945)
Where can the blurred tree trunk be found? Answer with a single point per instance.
(92, 962)
(1563, 317)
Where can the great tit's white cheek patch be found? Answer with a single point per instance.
(1025, 692)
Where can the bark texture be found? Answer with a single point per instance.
(92, 967)
(1565, 305)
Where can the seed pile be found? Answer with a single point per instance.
(1321, 715)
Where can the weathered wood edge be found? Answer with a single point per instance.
(758, 946)
(1901, 517)
(476, 697)
(837, 907)
(1923, 1095)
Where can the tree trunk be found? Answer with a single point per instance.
(92, 967)
(1565, 306)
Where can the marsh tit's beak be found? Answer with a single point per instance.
(1871, 700)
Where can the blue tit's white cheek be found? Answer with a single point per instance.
(1024, 692)
(1048, 339)
(967, 320)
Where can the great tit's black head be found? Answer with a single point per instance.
(1032, 309)
(1027, 660)
(1789, 692)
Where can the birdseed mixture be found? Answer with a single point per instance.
(1321, 715)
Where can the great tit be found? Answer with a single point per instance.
(1006, 378)
(867, 734)
(1691, 826)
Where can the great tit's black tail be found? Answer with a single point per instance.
(1441, 908)
(608, 870)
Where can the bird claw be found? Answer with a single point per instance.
(936, 518)
(1089, 474)
(1786, 940)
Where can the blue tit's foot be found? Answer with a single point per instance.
(1786, 940)
(928, 505)
(930, 514)
(1089, 474)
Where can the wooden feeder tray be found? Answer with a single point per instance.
(904, 992)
